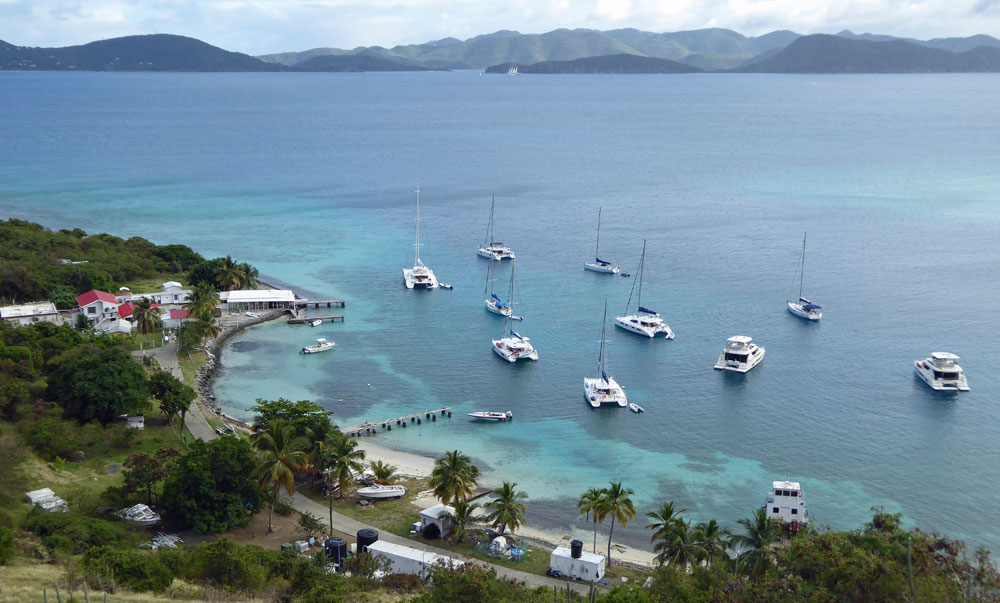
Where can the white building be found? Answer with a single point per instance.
(174, 318)
(173, 293)
(98, 306)
(407, 560)
(440, 515)
(29, 314)
(257, 299)
(588, 567)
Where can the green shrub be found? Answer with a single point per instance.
(58, 542)
(282, 507)
(82, 532)
(228, 565)
(108, 567)
(6, 545)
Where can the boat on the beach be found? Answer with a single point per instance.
(941, 372)
(492, 249)
(803, 307)
(635, 407)
(602, 390)
(645, 321)
(489, 415)
(315, 323)
(419, 276)
(379, 491)
(512, 346)
(740, 355)
(140, 515)
(321, 345)
(785, 504)
(599, 265)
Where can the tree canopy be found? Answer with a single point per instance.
(99, 384)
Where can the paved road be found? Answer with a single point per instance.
(195, 420)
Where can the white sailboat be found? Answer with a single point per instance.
(491, 248)
(599, 265)
(644, 321)
(420, 276)
(492, 301)
(512, 346)
(803, 307)
(602, 390)
(512, 70)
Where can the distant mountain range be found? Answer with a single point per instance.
(559, 51)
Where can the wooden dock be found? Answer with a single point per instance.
(304, 319)
(417, 418)
(320, 303)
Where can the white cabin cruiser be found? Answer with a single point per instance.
(420, 276)
(645, 321)
(784, 503)
(321, 345)
(599, 265)
(602, 390)
(492, 249)
(740, 355)
(489, 415)
(379, 491)
(941, 372)
(803, 307)
(512, 346)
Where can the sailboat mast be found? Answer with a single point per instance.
(604, 326)
(802, 264)
(489, 268)
(597, 249)
(642, 266)
(489, 225)
(416, 244)
(510, 303)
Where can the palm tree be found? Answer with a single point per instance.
(208, 328)
(384, 472)
(454, 477)
(677, 545)
(664, 520)
(341, 457)
(250, 275)
(229, 275)
(756, 545)
(589, 505)
(281, 455)
(147, 318)
(462, 518)
(508, 511)
(617, 503)
(713, 540)
(203, 301)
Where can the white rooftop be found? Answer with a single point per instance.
(943, 356)
(171, 284)
(406, 552)
(257, 295)
(585, 556)
(437, 511)
(787, 485)
(740, 339)
(25, 310)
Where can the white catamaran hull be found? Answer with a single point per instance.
(496, 254)
(753, 359)
(798, 310)
(924, 369)
(650, 326)
(419, 279)
(512, 349)
(599, 392)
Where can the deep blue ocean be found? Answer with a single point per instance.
(311, 178)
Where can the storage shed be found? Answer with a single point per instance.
(440, 515)
(588, 567)
(407, 560)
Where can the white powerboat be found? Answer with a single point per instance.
(492, 249)
(602, 390)
(489, 415)
(645, 321)
(512, 346)
(785, 504)
(321, 345)
(316, 323)
(803, 307)
(420, 276)
(599, 265)
(140, 515)
(941, 372)
(379, 491)
(740, 355)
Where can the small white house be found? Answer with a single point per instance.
(28, 314)
(173, 293)
(407, 560)
(588, 567)
(98, 306)
(440, 515)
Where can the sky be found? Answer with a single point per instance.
(266, 26)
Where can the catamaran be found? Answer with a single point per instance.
(492, 301)
(740, 355)
(602, 390)
(512, 346)
(420, 276)
(644, 321)
(492, 249)
(784, 504)
(599, 265)
(941, 372)
(803, 307)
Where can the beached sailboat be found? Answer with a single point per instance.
(602, 390)
(803, 307)
(420, 276)
(492, 301)
(599, 265)
(644, 321)
(512, 346)
(492, 249)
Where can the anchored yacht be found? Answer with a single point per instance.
(491, 415)
(941, 372)
(321, 345)
(784, 503)
(599, 265)
(420, 276)
(512, 346)
(644, 321)
(803, 307)
(491, 248)
(602, 390)
(492, 301)
(740, 355)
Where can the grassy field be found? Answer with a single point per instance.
(190, 365)
(154, 284)
(393, 516)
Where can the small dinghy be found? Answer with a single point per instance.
(316, 323)
(445, 286)
(635, 407)
(379, 491)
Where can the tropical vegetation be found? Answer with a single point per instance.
(454, 477)
(506, 509)
(280, 455)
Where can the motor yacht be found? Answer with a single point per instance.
(785, 504)
(941, 372)
(740, 355)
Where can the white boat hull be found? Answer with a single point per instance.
(382, 492)
(602, 268)
(644, 324)
(492, 416)
(315, 349)
(797, 310)
(419, 278)
(512, 349)
(926, 373)
(753, 359)
(599, 392)
(498, 254)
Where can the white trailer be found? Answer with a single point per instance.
(587, 567)
(407, 560)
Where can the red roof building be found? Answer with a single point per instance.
(85, 299)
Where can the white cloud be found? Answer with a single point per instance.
(262, 26)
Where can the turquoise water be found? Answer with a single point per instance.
(311, 177)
